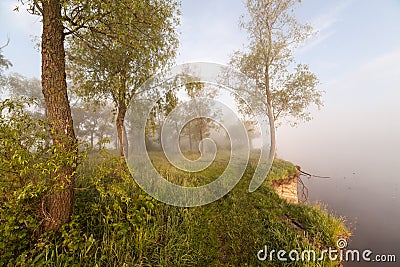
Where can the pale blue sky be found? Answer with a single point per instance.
(351, 33)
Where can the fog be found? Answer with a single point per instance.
(354, 140)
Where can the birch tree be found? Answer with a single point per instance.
(274, 34)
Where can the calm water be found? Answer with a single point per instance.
(357, 144)
(372, 210)
(365, 179)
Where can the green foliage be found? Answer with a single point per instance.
(117, 224)
(281, 169)
(18, 86)
(93, 124)
(27, 162)
(128, 44)
(274, 34)
(25, 167)
(230, 231)
(4, 64)
(296, 94)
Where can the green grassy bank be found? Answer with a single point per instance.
(117, 224)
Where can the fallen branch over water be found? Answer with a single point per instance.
(312, 175)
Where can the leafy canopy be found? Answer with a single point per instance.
(115, 57)
(274, 34)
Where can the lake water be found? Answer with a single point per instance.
(363, 163)
(371, 209)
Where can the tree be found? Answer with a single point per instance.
(274, 33)
(4, 64)
(59, 203)
(61, 18)
(30, 88)
(89, 125)
(252, 131)
(93, 123)
(164, 106)
(116, 66)
(199, 128)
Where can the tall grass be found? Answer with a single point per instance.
(117, 224)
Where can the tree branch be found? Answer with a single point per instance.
(36, 4)
(8, 42)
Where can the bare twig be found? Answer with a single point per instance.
(312, 175)
(304, 191)
(8, 41)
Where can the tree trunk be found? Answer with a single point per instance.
(190, 137)
(272, 150)
(202, 148)
(91, 140)
(100, 142)
(120, 127)
(179, 137)
(116, 140)
(126, 144)
(271, 119)
(60, 201)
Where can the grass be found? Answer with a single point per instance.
(281, 169)
(117, 224)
